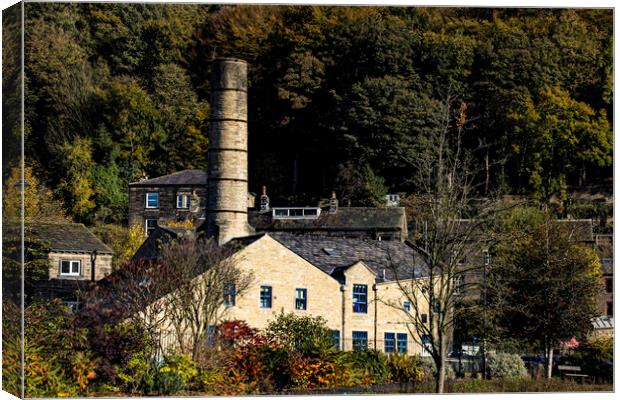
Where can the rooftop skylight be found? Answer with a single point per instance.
(296, 212)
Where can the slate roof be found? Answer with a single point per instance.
(162, 234)
(181, 178)
(67, 237)
(334, 254)
(344, 219)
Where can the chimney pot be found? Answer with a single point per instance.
(264, 200)
(333, 204)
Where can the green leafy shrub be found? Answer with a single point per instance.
(404, 369)
(181, 365)
(430, 370)
(58, 361)
(276, 373)
(504, 365)
(370, 366)
(307, 335)
(139, 373)
(167, 383)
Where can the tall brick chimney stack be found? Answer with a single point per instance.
(227, 174)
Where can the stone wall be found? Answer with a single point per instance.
(103, 265)
(167, 210)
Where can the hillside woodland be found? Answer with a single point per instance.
(340, 97)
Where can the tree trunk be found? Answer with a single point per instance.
(487, 178)
(440, 378)
(441, 373)
(549, 362)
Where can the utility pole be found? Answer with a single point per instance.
(487, 261)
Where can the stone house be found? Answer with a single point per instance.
(176, 197)
(182, 196)
(606, 297)
(77, 258)
(350, 282)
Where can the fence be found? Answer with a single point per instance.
(167, 340)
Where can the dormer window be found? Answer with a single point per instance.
(152, 200)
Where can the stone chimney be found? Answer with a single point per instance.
(333, 204)
(227, 176)
(264, 201)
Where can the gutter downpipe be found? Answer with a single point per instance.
(342, 290)
(374, 288)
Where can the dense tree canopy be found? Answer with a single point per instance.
(543, 284)
(118, 91)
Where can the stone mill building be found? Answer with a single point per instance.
(335, 262)
(217, 201)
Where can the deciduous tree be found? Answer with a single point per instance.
(544, 286)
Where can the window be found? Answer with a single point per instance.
(73, 305)
(152, 200)
(458, 284)
(360, 340)
(401, 343)
(310, 213)
(211, 330)
(426, 346)
(70, 267)
(610, 308)
(280, 213)
(183, 200)
(407, 305)
(336, 339)
(437, 306)
(300, 299)
(265, 296)
(487, 258)
(609, 285)
(424, 318)
(151, 224)
(230, 294)
(389, 342)
(360, 296)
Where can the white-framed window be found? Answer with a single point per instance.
(297, 212)
(70, 267)
(73, 305)
(150, 225)
(183, 200)
(152, 200)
